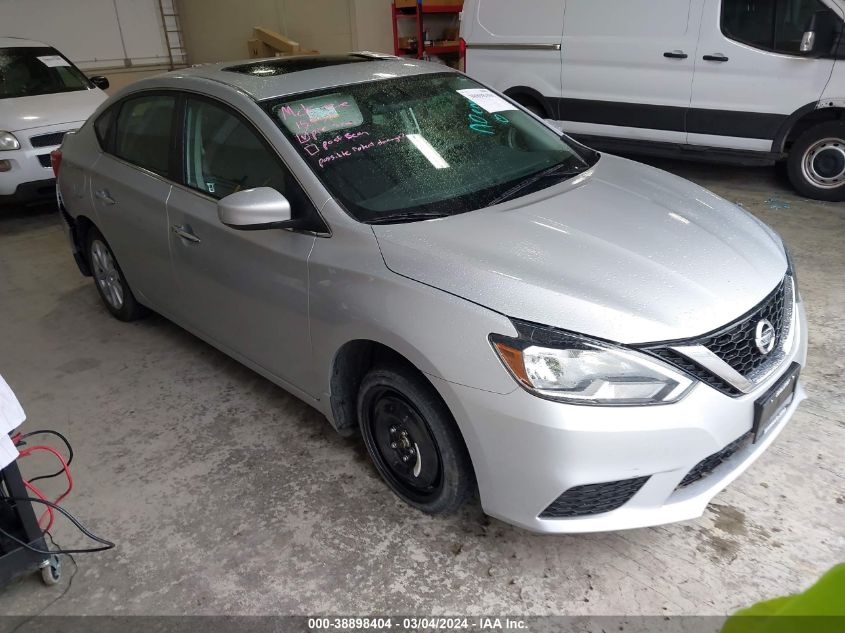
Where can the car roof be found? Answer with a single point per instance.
(280, 76)
(9, 41)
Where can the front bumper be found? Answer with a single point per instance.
(29, 179)
(527, 451)
(29, 193)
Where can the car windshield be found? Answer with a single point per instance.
(408, 148)
(37, 70)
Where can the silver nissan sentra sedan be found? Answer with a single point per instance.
(589, 343)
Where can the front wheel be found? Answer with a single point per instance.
(816, 162)
(413, 440)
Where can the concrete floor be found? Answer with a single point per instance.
(226, 495)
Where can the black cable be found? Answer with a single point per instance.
(107, 544)
(62, 438)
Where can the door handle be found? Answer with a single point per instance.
(185, 233)
(675, 54)
(716, 57)
(103, 194)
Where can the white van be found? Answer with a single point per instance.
(42, 97)
(753, 81)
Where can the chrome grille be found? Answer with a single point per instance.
(735, 345)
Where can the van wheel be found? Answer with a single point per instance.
(413, 440)
(532, 105)
(817, 162)
(109, 280)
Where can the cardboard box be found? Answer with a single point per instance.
(408, 42)
(410, 4)
(451, 33)
(276, 41)
(258, 49)
(301, 53)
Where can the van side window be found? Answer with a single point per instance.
(771, 25)
(143, 135)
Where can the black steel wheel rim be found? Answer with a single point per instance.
(402, 445)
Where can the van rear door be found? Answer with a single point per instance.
(515, 48)
(628, 67)
(749, 73)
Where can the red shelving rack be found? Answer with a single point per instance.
(417, 13)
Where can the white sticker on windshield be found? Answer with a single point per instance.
(322, 112)
(489, 101)
(53, 60)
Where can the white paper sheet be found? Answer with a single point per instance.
(11, 412)
(8, 452)
(53, 60)
(11, 417)
(488, 101)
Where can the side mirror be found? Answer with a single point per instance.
(101, 82)
(808, 42)
(255, 209)
(821, 34)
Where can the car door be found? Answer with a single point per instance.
(749, 74)
(244, 291)
(628, 67)
(130, 186)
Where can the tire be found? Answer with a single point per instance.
(816, 162)
(413, 440)
(111, 285)
(531, 104)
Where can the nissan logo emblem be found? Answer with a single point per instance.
(764, 337)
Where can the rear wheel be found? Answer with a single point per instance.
(109, 280)
(531, 104)
(817, 162)
(413, 440)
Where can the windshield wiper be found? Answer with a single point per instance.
(397, 218)
(561, 169)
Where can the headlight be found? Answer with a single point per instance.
(8, 141)
(579, 370)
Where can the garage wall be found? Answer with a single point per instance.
(372, 26)
(94, 34)
(217, 30)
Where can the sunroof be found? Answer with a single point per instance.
(286, 65)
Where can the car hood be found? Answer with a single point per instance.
(23, 113)
(625, 252)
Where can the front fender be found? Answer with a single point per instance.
(354, 296)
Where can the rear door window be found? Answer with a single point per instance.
(144, 132)
(103, 127)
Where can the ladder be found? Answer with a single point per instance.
(172, 33)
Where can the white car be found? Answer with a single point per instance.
(42, 97)
(754, 82)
